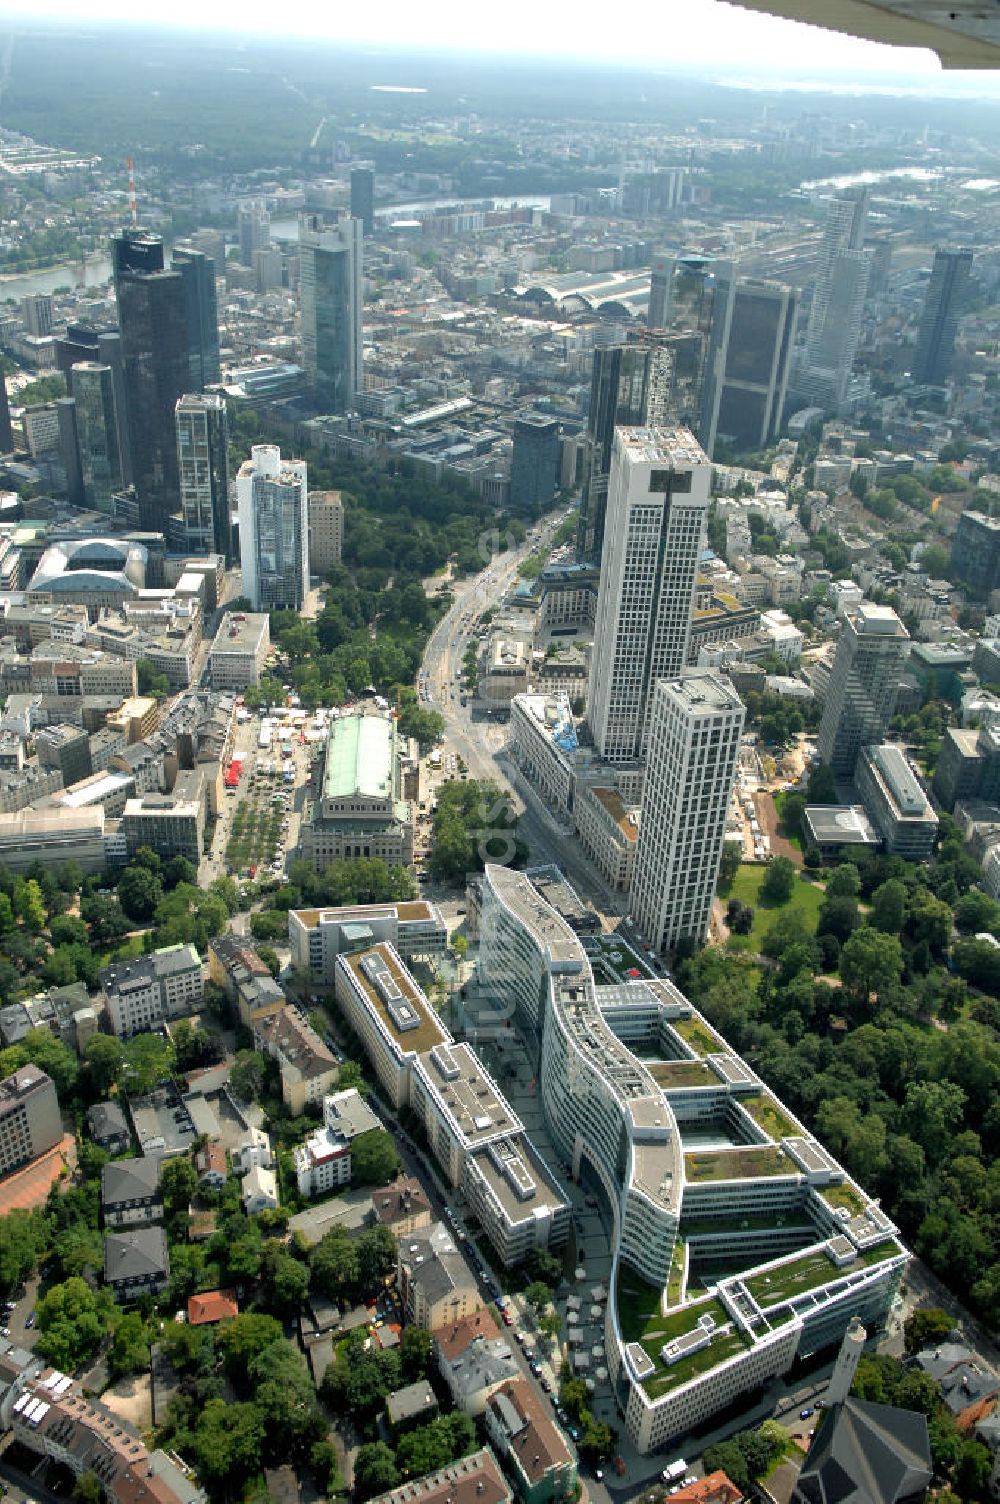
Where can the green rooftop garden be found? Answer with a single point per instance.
(795, 1277)
(695, 1227)
(767, 1114)
(698, 1035)
(760, 1160)
(675, 1279)
(844, 1195)
(678, 1073)
(887, 1250)
(642, 1320)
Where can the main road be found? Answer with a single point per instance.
(480, 743)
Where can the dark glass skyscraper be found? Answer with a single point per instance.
(947, 297)
(152, 318)
(363, 197)
(201, 304)
(6, 432)
(618, 397)
(747, 365)
(534, 462)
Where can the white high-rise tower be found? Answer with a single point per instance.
(694, 744)
(274, 529)
(653, 536)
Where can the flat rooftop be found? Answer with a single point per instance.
(516, 1176)
(625, 818)
(468, 1093)
(674, 446)
(701, 691)
(848, 825)
(426, 1031)
(239, 632)
(410, 912)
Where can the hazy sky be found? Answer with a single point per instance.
(706, 32)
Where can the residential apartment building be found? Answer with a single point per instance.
(239, 650)
(130, 1192)
(308, 1069)
(864, 684)
(533, 1446)
(326, 531)
(657, 503)
(136, 1263)
(323, 1161)
(694, 745)
(475, 1479)
(436, 1285)
(141, 993)
(30, 1122)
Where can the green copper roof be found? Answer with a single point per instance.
(359, 758)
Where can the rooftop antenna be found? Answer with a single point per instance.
(131, 193)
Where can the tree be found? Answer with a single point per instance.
(22, 1237)
(729, 865)
(932, 1111)
(334, 1264)
(871, 962)
(375, 1470)
(844, 881)
(56, 1059)
(727, 1457)
(374, 1158)
(597, 1440)
(149, 1058)
(149, 681)
(72, 1323)
(130, 1348)
(838, 917)
(416, 1349)
(822, 788)
(779, 881)
(246, 1078)
(538, 1295)
(139, 892)
(243, 1339)
(889, 907)
(286, 1281)
(926, 1327)
(28, 905)
(87, 1489)
(975, 912)
(376, 1248)
(227, 1443)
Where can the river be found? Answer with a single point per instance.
(96, 273)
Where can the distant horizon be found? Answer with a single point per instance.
(740, 41)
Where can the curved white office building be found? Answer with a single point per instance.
(810, 1247)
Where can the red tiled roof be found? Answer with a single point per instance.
(214, 1305)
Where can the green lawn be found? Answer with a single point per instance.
(807, 899)
(642, 1321)
(793, 840)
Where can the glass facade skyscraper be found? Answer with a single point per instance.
(152, 319)
(203, 463)
(202, 309)
(93, 388)
(330, 275)
(274, 529)
(947, 298)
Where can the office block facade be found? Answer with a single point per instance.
(363, 197)
(618, 397)
(326, 530)
(864, 683)
(152, 317)
(272, 500)
(657, 504)
(975, 551)
(254, 231)
(202, 315)
(203, 464)
(747, 363)
(330, 288)
(838, 302)
(694, 741)
(6, 431)
(534, 462)
(947, 298)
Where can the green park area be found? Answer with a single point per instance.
(255, 831)
(806, 899)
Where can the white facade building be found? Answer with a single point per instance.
(694, 744)
(657, 502)
(323, 1162)
(272, 499)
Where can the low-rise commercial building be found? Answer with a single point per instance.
(239, 650)
(608, 829)
(896, 802)
(53, 837)
(169, 824)
(318, 936)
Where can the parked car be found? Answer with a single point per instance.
(805, 1414)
